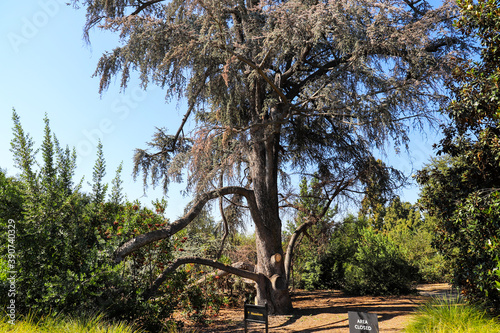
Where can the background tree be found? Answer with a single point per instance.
(380, 184)
(315, 215)
(414, 233)
(461, 189)
(275, 87)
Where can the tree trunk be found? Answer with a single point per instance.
(272, 287)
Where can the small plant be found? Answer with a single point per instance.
(95, 323)
(455, 315)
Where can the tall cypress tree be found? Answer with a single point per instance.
(99, 188)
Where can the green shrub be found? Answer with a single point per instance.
(378, 267)
(311, 274)
(340, 252)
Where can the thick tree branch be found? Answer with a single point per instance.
(437, 44)
(262, 74)
(202, 261)
(294, 91)
(144, 5)
(292, 69)
(224, 220)
(221, 273)
(200, 201)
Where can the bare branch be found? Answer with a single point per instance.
(291, 245)
(200, 201)
(202, 261)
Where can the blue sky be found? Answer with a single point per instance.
(46, 67)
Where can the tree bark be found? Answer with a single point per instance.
(236, 269)
(272, 287)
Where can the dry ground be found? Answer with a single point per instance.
(326, 311)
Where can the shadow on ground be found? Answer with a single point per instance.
(326, 311)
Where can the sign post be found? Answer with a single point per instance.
(256, 314)
(362, 322)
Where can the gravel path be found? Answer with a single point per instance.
(326, 311)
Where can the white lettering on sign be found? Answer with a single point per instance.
(363, 327)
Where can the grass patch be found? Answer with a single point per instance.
(455, 315)
(65, 324)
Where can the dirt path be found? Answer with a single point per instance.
(326, 311)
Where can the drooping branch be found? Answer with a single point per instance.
(291, 244)
(200, 201)
(202, 261)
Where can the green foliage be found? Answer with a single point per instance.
(96, 323)
(341, 250)
(362, 260)
(378, 267)
(11, 199)
(415, 235)
(313, 207)
(311, 274)
(380, 182)
(478, 219)
(65, 240)
(116, 195)
(460, 189)
(98, 187)
(444, 316)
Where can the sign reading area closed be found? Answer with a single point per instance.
(362, 322)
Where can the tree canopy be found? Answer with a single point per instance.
(461, 188)
(274, 88)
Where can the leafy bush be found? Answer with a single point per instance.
(414, 233)
(361, 260)
(478, 220)
(65, 240)
(378, 267)
(341, 250)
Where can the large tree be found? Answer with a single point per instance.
(461, 188)
(275, 87)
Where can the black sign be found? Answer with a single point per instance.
(256, 314)
(361, 322)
